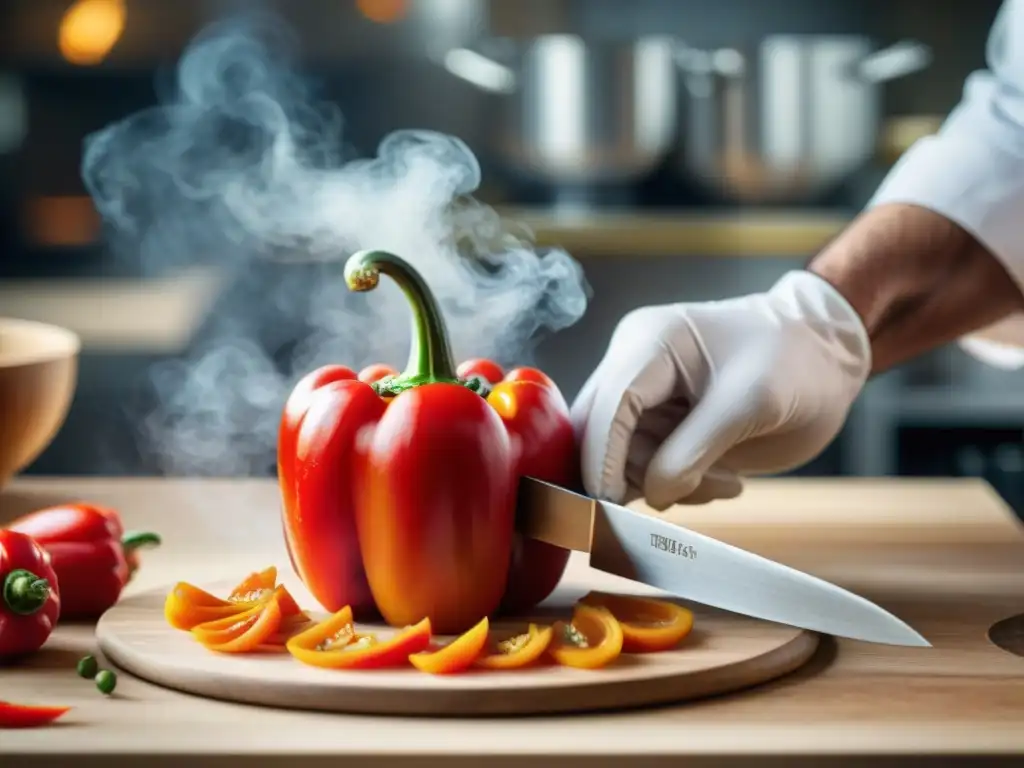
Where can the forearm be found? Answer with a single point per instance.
(917, 280)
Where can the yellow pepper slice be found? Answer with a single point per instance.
(517, 651)
(456, 656)
(335, 644)
(648, 624)
(593, 639)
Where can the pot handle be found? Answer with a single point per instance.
(478, 69)
(898, 60)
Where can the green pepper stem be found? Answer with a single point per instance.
(430, 355)
(135, 539)
(25, 593)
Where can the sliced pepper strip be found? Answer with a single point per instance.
(220, 630)
(188, 606)
(290, 609)
(648, 625)
(290, 627)
(243, 633)
(593, 638)
(456, 656)
(28, 715)
(517, 651)
(335, 644)
(254, 586)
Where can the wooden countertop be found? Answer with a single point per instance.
(690, 232)
(945, 555)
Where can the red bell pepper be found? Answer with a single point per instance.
(29, 596)
(398, 496)
(536, 414)
(92, 555)
(533, 409)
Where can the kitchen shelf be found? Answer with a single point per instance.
(685, 232)
(953, 406)
(119, 315)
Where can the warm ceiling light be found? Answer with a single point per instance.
(89, 30)
(382, 11)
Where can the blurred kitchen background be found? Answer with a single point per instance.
(677, 149)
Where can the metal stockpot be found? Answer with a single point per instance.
(790, 121)
(575, 112)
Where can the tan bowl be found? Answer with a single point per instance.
(38, 375)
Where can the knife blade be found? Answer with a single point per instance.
(690, 565)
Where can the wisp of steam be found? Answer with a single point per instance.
(241, 167)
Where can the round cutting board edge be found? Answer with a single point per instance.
(723, 653)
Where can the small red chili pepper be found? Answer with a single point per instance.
(28, 715)
(92, 555)
(29, 597)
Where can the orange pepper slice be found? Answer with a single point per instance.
(254, 586)
(593, 639)
(290, 627)
(456, 656)
(187, 606)
(335, 644)
(648, 625)
(242, 633)
(517, 651)
(289, 607)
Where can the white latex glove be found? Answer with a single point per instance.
(689, 397)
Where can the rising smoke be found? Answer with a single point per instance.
(240, 166)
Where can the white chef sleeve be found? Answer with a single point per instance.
(972, 172)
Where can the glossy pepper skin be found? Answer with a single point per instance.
(93, 557)
(535, 414)
(399, 496)
(29, 596)
(398, 491)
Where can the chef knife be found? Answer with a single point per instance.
(695, 567)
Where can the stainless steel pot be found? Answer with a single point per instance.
(789, 121)
(575, 112)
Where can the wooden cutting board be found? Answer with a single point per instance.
(722, 653)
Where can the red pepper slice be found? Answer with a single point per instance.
(647, 624)
(28, 715)
(335, 644)
(92, 555)
(29, 595)
(517, 651)
(456, 656)
(593, 639)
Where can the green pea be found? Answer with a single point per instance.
(106, 681)
(87, 667)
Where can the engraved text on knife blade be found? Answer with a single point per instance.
(673, 546)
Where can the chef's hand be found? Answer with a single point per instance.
(689, 397)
